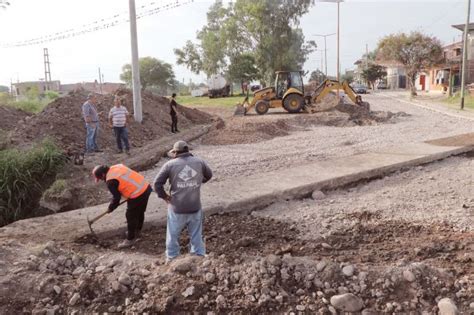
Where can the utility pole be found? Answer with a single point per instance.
(322, 61)
(464, 54)
(137, 98)
(366, 56)
(338, 36)
(100, 81)
(325, 51)
(47, 70)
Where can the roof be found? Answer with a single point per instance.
(461, 27)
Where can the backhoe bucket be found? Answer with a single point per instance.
(239, 110)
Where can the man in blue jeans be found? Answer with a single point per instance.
(185, 173)
(91, 118)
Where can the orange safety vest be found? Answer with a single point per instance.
(131, 183)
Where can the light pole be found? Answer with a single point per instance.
(464, 54)
(137, 97)
(325, 51)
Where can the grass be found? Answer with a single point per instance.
(29, 105)
(57, 188)
(25, 174)
(455, 101)
(230, 101)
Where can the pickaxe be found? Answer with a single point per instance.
(90, 222)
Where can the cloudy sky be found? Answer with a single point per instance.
(77, 59)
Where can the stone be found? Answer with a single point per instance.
(74, 299)
(326, 246)
(100, 268)
(348, 270)
(447, 307)
(408, 275)
(300, 292)
(471, 306)
(112, 309)
(300, 308)
(274, 260)
(61, 259)
(78, 271)
(119, 308)
(318, 195)
(57, 289)
(151, 286)
(210, 277)
(347, 302)
(188, 292)
(136, 291)
(368, 311)
(321, 265)
(220, 300)
(115, 285)
(245, 241)
(124, 279)
(183, 265)
(113, 263)
(279, 299)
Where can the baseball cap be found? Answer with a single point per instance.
(179, 146)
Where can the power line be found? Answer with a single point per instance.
(101, 24)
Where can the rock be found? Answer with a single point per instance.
(183, 265)
(136, 291)
(74, 299)
(318, 195)
(408, 275)
(78, 271)
(447, 307)
(279, 299)
(321, 265)
(300, 308)
(113, 263)
(115, 285)
(368, 311)
(348, 271)
(326, 246)
(112, 309)
(150, 286)
(57, 289)
(245, 241)
(300, 292)
(61, 260)
(471, 306)
(100, 268)
(347, 302)
(210, 277)
(220, 300)
(124, 279)
(274, 260)
(188, 292)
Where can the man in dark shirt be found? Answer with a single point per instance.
(173, 113)
(124, 182)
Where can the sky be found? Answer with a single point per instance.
(77, 59)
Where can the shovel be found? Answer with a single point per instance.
(90, 222)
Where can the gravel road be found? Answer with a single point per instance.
(324, 142)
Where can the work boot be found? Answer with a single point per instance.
(126, 244)
(127, 151)
(119, 151)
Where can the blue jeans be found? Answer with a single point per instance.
(92, 132)
(176, 223)
(121, 134)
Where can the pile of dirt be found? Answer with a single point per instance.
(256, 128)
(9, 117)
(62, 120)
(255, 265)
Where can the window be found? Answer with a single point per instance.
(457, 52)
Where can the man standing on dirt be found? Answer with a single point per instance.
(91, 118)
(124, 182)
(173, 113)
(118, 120)
(185, 173)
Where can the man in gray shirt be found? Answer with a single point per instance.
(185, 173)
(91, 118)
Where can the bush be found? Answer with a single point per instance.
(30, 106)
(25, 174)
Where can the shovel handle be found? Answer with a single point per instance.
(106, 212)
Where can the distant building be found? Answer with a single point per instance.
(95, 87)
(20, 89)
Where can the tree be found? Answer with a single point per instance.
(266, 29)
(4, 89)
(242, 69)
(348, 76)
(317, 76)
(32, 92)
(415, 51)
(153, 73)
(373, 73)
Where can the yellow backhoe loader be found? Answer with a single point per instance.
(288, 93)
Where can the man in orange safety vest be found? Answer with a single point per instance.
(124, 182)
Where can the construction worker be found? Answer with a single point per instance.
(185, 173)
(173, 114)
(124, 182)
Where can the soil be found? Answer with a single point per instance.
(62, 121)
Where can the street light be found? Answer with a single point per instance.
(325, 51)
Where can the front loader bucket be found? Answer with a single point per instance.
(239, 110)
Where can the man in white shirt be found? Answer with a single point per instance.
(118, 120)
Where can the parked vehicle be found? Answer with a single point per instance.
(360, 89)
(254, 88)
(218, 86)
(381, 86)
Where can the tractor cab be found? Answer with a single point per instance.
(285, 80)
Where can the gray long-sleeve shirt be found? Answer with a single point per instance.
(185, 173)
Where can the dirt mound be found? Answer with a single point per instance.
(253, 128)
(9, 117)
(62, 120)
(255, 266)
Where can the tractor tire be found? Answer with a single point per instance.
(261, 107)
(293, 103)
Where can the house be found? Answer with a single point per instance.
(20, 90)
(360, 66)
(95, 87)
(396, 76)
(440, 77)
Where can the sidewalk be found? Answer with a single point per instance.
(250, 193)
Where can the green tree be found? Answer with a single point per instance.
(373, 73)
(317, 76)
(415, 51)
(32, 93)
(153, 73)
(348, 76)
(242, 69)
